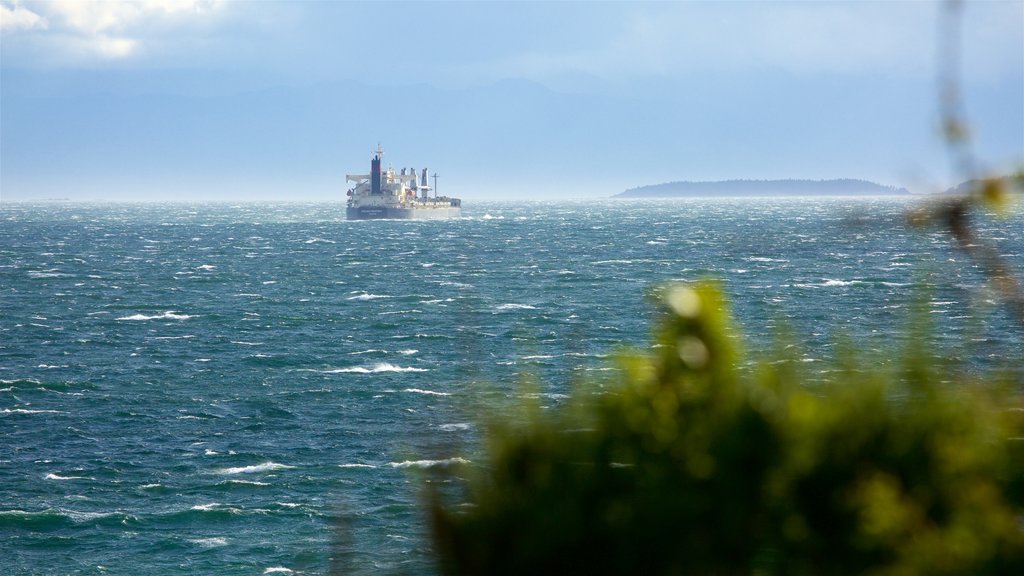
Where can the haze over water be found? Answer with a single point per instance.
(206, 388)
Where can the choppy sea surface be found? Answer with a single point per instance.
(251, 388)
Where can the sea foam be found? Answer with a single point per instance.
(428, 463)
(265, 467)
(376, 368)
(168, 315)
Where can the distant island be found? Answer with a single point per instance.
(837, 187)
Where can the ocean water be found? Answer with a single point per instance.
(253, 388)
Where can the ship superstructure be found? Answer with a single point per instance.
(399, 195)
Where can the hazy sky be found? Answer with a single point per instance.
(278, 100)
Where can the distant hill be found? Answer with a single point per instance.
(838, 187)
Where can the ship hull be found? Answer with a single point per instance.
(395, 213)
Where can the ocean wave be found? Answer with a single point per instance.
(230, 483)
(47, 274)
(319, 241)
(168, 315)
(763, 259)
(366, 296)
(256, 468)
(437, 301)
(22, 381)
(278, 570)
(548, 395)
(830, 282)
(29, 411)
(513, 306)
(455, 427)
(58, 518)
(356, 466)
(213, 507)
(210, 542)
(52, 476)
(427, 392)
(429, 463)
(376, 368)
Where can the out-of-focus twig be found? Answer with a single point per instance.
(954, 212)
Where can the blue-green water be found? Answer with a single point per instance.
(245, 389)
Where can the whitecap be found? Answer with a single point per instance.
(264, 467)
(210, 542)
(278, 570)
(319, 241)
(356, 466)
(206, 267)
(829, 282)
(77, 516)
(168, 315)
(427, 392)
(548, 395)
(513, 306)
(381, 367)
(28, 411)
(52, 476)
(763, 259)
(428, 463)
(20, 380)
(455, 427)
(407, 352)
(365, 296)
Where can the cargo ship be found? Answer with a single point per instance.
(397, 195)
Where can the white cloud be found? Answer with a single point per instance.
(94, 17)
(83, 30)
(14, 16)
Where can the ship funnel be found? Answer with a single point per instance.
(375, 175)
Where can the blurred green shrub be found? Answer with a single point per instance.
(694, 466)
